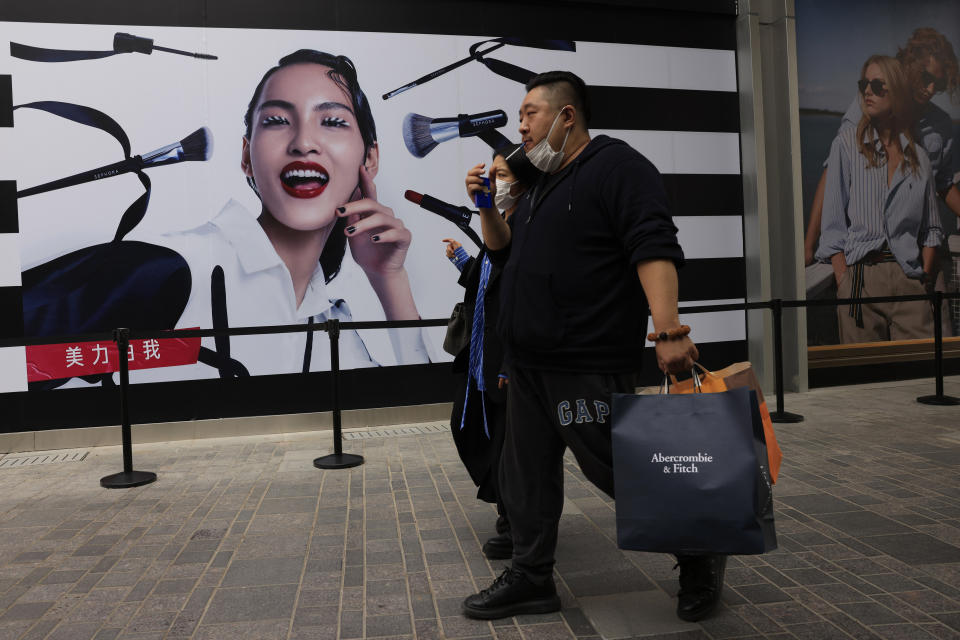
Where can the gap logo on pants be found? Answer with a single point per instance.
(579, 412)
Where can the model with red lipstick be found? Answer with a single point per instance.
(310, 153)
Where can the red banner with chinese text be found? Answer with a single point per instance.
(57, 361)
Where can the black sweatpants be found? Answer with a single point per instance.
(548, 411)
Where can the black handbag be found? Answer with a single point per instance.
(458, 331)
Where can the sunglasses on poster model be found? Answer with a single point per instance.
(877, 86)
(927, 79)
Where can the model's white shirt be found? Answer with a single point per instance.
(259, 291)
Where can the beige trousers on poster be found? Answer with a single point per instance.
(888, 320)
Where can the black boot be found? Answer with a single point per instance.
(512, 594)
(499, 547)
(701, 581)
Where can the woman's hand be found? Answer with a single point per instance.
(452, 246)
(839, 263)
(379, 243)
(378, 239)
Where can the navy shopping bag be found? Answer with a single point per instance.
(690, 473)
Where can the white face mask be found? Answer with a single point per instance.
(542, 156)
(503, 199)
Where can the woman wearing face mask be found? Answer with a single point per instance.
(310, 154)
(880, 227)
(479, 412)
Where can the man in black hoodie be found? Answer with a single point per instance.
(588, 251)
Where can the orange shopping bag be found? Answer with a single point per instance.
(739, 374)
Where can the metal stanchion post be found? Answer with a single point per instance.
(128, 477)
(338, 459)
(780, 415)
(938, 399)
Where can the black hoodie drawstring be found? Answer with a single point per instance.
(573, 184)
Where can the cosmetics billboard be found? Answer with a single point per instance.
(164, 177)
(880, 125)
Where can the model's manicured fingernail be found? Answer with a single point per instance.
(341, 209)
(376, 238)
(351, 229)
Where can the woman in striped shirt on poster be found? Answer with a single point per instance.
(880, 228)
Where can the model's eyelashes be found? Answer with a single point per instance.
(334, 121)
(274, 120)
(328, 121)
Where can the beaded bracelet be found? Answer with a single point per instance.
(671, 334)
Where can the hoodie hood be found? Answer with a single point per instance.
(550, 181)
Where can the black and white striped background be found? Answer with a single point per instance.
(678, 106)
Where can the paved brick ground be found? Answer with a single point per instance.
(242, 538)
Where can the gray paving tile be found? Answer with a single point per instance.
(631, 614)
(32, 556)
(892, 582)
(818, 503)
(310, 616)
(902, 632)
(40, 630)
(762, 593)
(862, 523)
(263, 571)
(915, 548)
(273, 506)
(817, 631)
(602, 582)
(251, 604)
(75, 631)
(28, 611)
(869, 613)
(252, 630)
(387, 625)
(351, 624)
(461, 627)
(180, 585)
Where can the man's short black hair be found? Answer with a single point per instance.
(568, 87)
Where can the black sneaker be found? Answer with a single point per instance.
(512, 594)
(701, 581)
(499, 547)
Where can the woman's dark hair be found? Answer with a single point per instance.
(344, 74)
(520, 166)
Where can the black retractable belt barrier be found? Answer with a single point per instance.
(938, 398)
(128, 477)
(338, 459)
(780, 415)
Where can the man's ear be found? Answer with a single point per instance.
(245, 164)
(372, 161)
(570, 114)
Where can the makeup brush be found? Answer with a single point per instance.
(198, 146)
(422, 134)
(459, 216)
(507, 70)
(122, 43)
